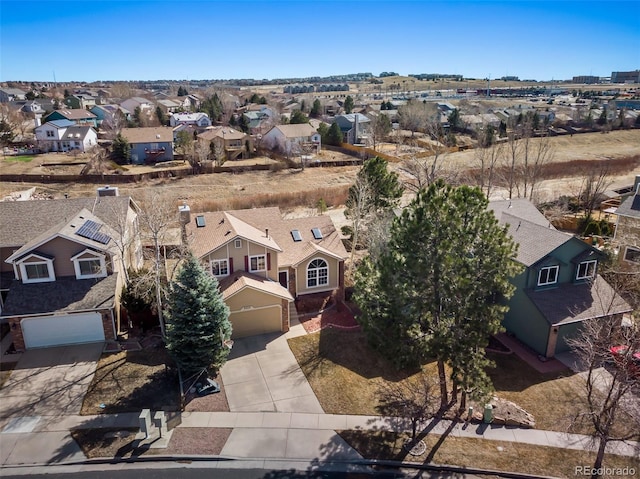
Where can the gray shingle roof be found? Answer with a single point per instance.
(578, 302)
(520, 208)
(62, 295)
(630, 207)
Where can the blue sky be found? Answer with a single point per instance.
(148, 40)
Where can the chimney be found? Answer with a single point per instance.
(185, 214)
(636, 185)
(108, 191)
(266, 232)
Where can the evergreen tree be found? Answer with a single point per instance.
(454, 119)
(439, 287)
(182, 91)
(384, 185)
(197, 320)
(323, 129)
(348, 104)
(316, 109)
(121, 150)
(162, 118)
(213, 107)
(298, 117)
(137, 116)
(243, 123)
(334, 135)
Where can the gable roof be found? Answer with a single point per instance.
(296, 130)
(74, 114)
(21, 221)
(630, 207)
(189, 116)
(58, 124)
(158, 134)
(240, 280)
(224, 132)
(570, 303)
(80, 131)
(521, 208)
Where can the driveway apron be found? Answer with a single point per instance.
(262, 374)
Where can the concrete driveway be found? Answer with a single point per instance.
(50, 381)
(262, 374)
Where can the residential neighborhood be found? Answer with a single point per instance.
(335, 275)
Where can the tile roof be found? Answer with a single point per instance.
(21, 221)
(630, 207)
(239, 280)
(157, 134)
(62, 295)
(571, 302)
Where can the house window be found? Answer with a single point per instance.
(548, 275)
(632, 254)
(258, 263)
(586, 270)
(50, 134)
(238, 243)
(91, 266)
(317, 273)
(37, 271)
(220, 267)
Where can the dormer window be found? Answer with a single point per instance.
(36, 269)
(89, 264)
(548, 275)
(586, 269)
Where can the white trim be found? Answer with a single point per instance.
(23, 270)
(237, 243)
(211, 261)
(587, 263)
(557, 269)
(624, 256)
(258, 256)
(96, 256)
(317, 270)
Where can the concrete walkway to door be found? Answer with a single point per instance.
(262, 375)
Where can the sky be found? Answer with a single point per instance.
(196, 40)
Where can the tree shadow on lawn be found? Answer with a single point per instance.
(513, 374)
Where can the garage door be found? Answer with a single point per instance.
(60, 330)
(259, 321)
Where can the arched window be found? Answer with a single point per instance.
(317, 273)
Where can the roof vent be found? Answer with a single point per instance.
(158, 136)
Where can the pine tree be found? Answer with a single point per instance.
(121, 150)
(298, 117)
(438, 288)
(316, 108)
(348, 104)
(334, 135)
(197, 321)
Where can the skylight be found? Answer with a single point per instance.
(200, 223)
(296, 235)
(317, 234)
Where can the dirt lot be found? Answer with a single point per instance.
(227, 185)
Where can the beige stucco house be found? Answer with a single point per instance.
(235, 143)
(264, 262)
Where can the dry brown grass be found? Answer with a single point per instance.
(5, 371)
(346, 376)
(130, 381)
(482, 454)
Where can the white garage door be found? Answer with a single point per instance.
(59, 330)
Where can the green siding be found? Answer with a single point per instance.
(565, 332)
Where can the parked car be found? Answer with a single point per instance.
(623, 359)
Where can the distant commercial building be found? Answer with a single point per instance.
(625, 77)
(586, 79)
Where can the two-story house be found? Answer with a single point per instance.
(288, 138)
(78, 117)
(263, 262)
(83, 101)
(64, 135)
(355, 127)
(62, 268)
(627, 234)
(198, 119)
(559, 287)
(149, 145)
(234, 143)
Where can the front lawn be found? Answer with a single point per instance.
(20, 158)
(346, 376)
(130, 381)
(481, 453)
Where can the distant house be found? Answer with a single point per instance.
(64, 136)
(149, 145)
(198, 119)
(11, 94)
(61, 271)
(627, 234)
(480, 122)
(288, 138)
(168, 106)
(107, 113)
(33, 106)
(235, 143)
(80, 100)
(355, 127)
(137, 102)
(77, 116)
(559, 287)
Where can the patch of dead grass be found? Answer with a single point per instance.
(481, 453)
(129, 381)
(5, 372)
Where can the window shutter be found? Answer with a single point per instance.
(268, 261)
(246, 263)
(230, 265)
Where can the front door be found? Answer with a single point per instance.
(283, 278)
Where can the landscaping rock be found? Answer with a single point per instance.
(510, 414)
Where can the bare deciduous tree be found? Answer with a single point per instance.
(488, 159)
(592, 187)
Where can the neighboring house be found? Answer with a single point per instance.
(559, 287)
(80, 100)
(11, 94)
(258, 122)
(355, 127)
(64, 135)
(62, 269)
(149, 145)
(33, 106)
(480, 122)
(198, 119)
(137, 102)
(78, 117)
(107, 113)
(236, 144)
(168, 106)
(627, 234)
(287, 138)
(263, 262)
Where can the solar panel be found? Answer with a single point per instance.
(200, 223)
(91, 230)
(317, 234)
(296, 235)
